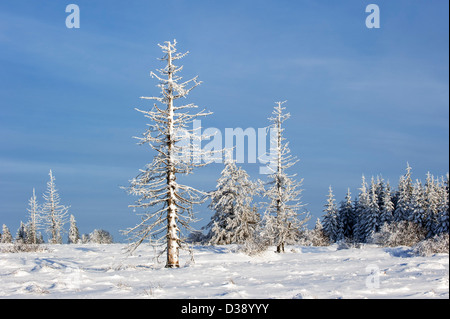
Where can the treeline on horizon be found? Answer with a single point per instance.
(423, 205)
(414, 210)
(414, 206)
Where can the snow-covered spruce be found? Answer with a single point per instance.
(413, 208)
(442, 222)
(404, 197)
(167, 204)
(346, 215)
(21, 236)
(93, 271)
(282, 223)
(235, 218)
(361, 207)
(74, 234)
(6, 237)
(332, 224)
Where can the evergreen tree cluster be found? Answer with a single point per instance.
(413, 207)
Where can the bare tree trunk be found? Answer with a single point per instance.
(172, 238)
(280, 246)
(172, 229)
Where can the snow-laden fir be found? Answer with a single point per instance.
(235, 217)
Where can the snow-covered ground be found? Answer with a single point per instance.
(105, 271)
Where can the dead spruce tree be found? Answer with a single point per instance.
(167, 203)
(282, 220)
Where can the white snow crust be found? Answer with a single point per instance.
(106, 271)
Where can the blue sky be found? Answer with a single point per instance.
(363, 101)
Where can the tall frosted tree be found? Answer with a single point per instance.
(235, 218)
(282, 220)
(34, 220)
(369, 216)
(431, 199)
(168, 204)
(54, 214)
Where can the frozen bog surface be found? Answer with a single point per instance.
(107, 271)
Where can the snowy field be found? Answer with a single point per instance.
(105, 271)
